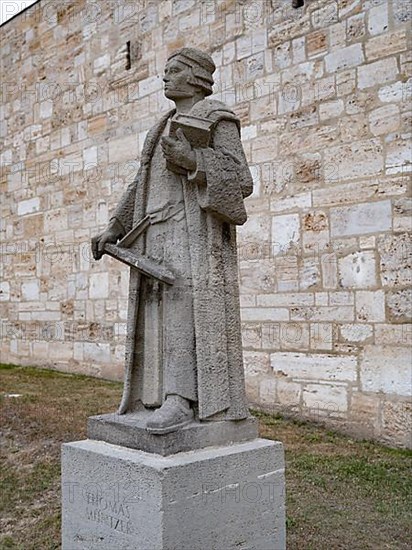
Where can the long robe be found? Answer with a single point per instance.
(213, 198)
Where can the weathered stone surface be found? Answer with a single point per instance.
(395, 259)
(378, 19)
(285, 232)
(299, 366)
(356, 333)
(384, 119)
(378, 72)
(358, 270)
(362, 218)
(351, 56)
(386, 369)
(115, 497)
(354, 160)
(329, 399)
(129, 430)
(397, 422)
(399, 305)
(167, 227)
(370, 306)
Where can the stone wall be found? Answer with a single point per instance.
(323, 93)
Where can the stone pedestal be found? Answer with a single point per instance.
(216, 498)
(129, 430)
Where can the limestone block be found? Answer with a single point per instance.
(257, 230)
(359, 219)
(402, 12)
(123, 149)
(302, 200)
(342, 298)
(323, 313)
(282, 55)
(346, 82)
(90, 156)
(309, 273)
(28, 206)
(294, 336)
(99, 285)
(301, 366)
(344, 58)
(46, 109)
(288, 394)
(395, 253)
(354, 160)
(316, 43)
(387, 44)
(4, 291)
(358, 270)
(150, 85)
(397, 92)
(30, 290)
(360, 191)
(256, 363)
(325, 16)
(370, 306)
(61, 351)
(356, 333)
(286, 299)
(285, 232)
(333, 399)
(356, 27)
(384, 120)
(378, 72)
(386, 369)
(378, 19)
(396, 335)
(257, 280)
(364, 411)
(298, 49)
(397, 422)
(329, 266)
(331, 109)
(264, 314)
(267, 391)
(96, 352)
(321, 336)
(402, 219)
(399, 305)
(399, 156)
(114, 497)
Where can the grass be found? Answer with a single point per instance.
(341, 493)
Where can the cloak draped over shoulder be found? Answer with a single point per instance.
(213, 198)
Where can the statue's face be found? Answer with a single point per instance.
(176, 80)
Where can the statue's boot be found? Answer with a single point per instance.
(171, 416)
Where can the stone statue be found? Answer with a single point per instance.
(179, 217)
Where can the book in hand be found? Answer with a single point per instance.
(197, 130)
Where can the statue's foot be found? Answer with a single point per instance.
(171, 416)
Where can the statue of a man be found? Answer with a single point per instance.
(183, 348)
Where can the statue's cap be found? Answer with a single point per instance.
(197, 60)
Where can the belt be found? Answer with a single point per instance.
(161, 215)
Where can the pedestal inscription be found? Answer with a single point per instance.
(228, 497)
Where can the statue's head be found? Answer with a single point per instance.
(187, 72)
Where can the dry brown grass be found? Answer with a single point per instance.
(341, 494)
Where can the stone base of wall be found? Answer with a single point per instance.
(371, 417)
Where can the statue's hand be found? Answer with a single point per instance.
(179, 151)
(111, 235)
